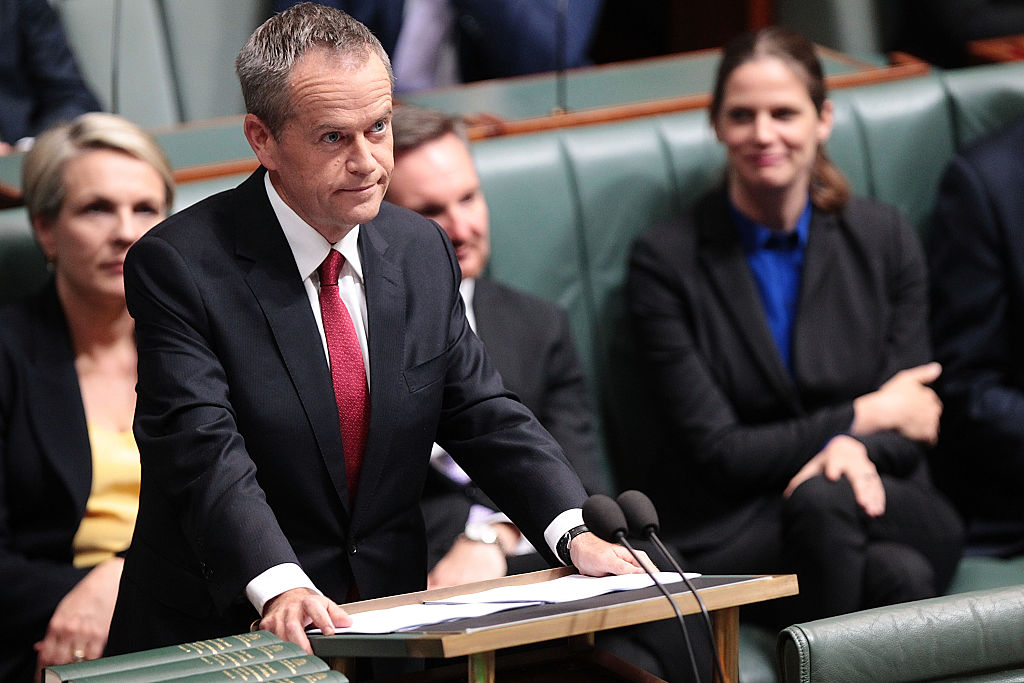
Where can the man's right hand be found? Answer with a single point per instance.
(289, 614)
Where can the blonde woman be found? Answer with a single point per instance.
(69, 467)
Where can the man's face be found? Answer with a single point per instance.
(332, 160)
(438, 180)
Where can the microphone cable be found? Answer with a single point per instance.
(642, 520)
(605, 518)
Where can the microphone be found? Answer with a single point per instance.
(642, 520)
(605, 518)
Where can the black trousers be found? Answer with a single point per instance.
(844, 560)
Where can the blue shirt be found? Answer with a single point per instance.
(776, 260)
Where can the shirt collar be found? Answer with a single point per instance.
(467, 288)
(755, 237)
(308, 246)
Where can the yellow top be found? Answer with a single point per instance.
(113, 501)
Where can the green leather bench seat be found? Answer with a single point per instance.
(22, 266)
(976, 636)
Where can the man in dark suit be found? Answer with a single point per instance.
(976, 256)
(284, 443)
(527, 339)
(491, 38)
(39, 82)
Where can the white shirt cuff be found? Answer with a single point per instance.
(277, 580)
(560, 525)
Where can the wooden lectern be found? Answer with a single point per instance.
(480, 638)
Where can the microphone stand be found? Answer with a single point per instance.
(604, 517)
(639, 505)
(561, 22)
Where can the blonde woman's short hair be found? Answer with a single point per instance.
(42, 175)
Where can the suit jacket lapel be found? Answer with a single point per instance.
(275, 282)
(722, 257)
(819, 274)
(385, 312)
(55, 386)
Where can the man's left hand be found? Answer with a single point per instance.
(594, 557)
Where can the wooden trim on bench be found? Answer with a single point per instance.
(487, 125)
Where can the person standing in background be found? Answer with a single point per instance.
(40, 85)
(436, 43)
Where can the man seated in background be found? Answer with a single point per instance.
(527, 339)
(976, 254)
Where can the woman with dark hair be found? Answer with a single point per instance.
(69, 466)
(784, 323)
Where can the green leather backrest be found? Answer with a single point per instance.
(22, 267)
(204, 37)
(967, 636)
(146, 88)
(535, 240)
(174, 58)
(907, 136)
(984, 98)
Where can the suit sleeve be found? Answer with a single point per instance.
(907, 340)
(494, 437)
(186, 430)
(702, 424)
(974, 303)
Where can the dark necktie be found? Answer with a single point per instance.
(347, 370)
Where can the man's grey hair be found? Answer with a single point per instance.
(265, 63)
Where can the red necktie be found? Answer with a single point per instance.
(347, 370)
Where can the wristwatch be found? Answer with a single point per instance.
(482, 532)
(562, 548)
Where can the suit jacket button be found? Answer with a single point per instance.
(353, 549)
(207, 572)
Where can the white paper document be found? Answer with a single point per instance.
(563, 589)
(406, 617)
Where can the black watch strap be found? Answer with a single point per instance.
(562, 548)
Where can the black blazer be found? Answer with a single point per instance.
(530, 344)
(242, 464)
(45, 474)
(737, 426)
(976, 254)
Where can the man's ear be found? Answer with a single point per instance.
(262, 141)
